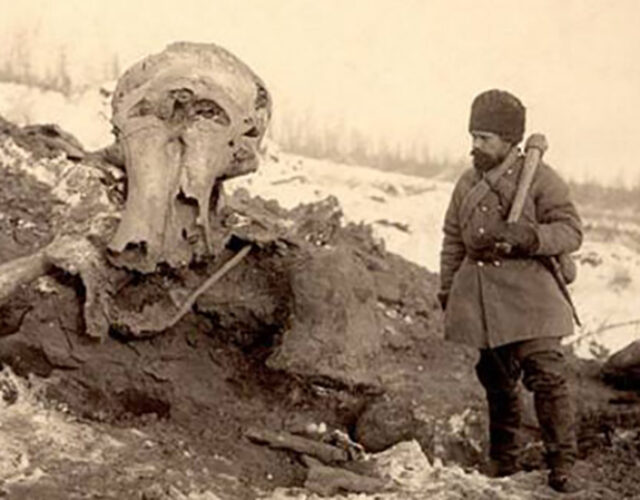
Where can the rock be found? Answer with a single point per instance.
(622, 369)
(333, 332)
(385, 422)
(48, 140)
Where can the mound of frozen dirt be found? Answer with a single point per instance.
(318, 324)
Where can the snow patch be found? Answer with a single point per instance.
(31, 431)
(86, 114)
(606, 296)
(413, 477)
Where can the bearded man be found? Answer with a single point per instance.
(499, 296)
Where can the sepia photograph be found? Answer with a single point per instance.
(309, 249)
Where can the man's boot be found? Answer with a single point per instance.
(502, 468)
(563, 480)
(544, 375)
(499, 376)
(504, 432)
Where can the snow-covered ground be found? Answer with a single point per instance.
(85, 114)
(405, 211)
(606, 294)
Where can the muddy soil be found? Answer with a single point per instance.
(177, 405)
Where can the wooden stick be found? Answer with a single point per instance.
(535, 147)
(230, 264)
(326, 480)
(286, 441)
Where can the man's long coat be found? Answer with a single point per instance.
(494, 300)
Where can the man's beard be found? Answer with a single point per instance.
(483, 161)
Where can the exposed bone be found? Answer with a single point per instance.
(21, 271)
(79, 256)
(76, 256)
(186, 119)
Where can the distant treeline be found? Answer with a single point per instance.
(354, 148)
(617, 197)
(343, 144)
(17, 65)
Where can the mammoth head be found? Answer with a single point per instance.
(186, 118)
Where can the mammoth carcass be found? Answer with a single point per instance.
(184, 119)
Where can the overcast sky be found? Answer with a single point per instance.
(402, 69)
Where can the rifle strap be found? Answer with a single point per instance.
(479, 191)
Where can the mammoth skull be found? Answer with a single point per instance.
(186, 119)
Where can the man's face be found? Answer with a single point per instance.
(488, 149)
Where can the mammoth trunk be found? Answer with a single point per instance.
(170, 178)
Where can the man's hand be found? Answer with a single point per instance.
(516, 239)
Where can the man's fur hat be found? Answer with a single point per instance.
(499, 112)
